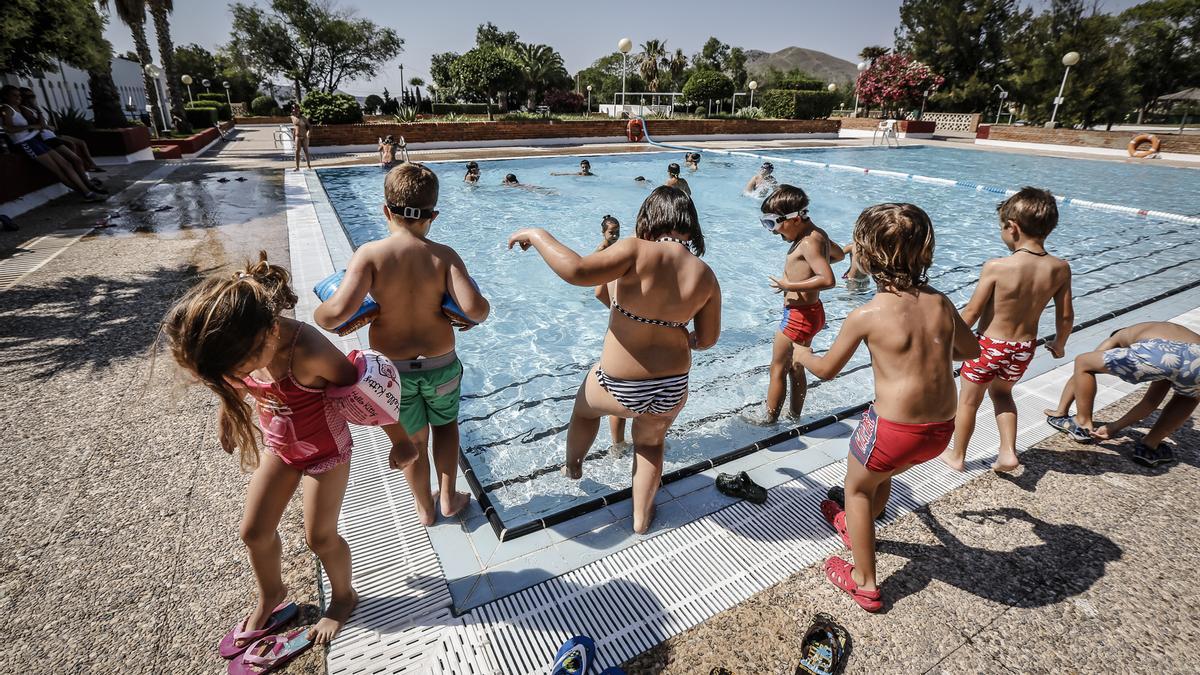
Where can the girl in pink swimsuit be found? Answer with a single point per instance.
(228, 332)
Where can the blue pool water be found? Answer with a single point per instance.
(525, 364)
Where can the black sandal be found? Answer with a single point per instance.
(825, 648)
(838, 494)
(741, 487)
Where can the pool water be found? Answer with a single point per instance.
(524, 365)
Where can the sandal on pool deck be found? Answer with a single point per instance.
(835, 515)
(823, 648)
(741, 487)
(1070, 427)
(1152, 457)
(838, 572)
(271, 653)
(238, 638)
(574, 657)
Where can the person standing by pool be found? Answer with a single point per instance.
(611, 229)
(409, 276)
(387, 152)
(472, 175)
(913, 334)
(301, 129)
(806, 272)
(673, 180)
(231, 334)
(1008, 302)
(660, 286)
(585, 169)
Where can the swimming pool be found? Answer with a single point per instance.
(525, 364)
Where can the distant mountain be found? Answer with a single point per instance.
(820, 65)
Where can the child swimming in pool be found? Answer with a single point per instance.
(913, 333)
(1008, 302)
(692, 160)
(230, 333)
(659, 286)
(472, 175)
(611, 229)
(764, 180)
(408, 274)
(674, 181)
(585, 169)
(1162, 353)
(806, 272)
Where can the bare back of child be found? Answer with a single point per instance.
(913, 333)
(408, 275)
(1007, 304)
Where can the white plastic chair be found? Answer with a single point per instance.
(886, 132)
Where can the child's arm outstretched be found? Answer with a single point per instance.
(349, 295)
(852, 332)
(1064, 318)
(981, 298)
(600, 267)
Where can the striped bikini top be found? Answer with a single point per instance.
(654, 322)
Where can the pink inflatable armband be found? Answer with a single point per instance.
(375, 399)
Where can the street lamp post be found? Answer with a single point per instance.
(226, 85)
(1069, 59)
(624, 45)
(862, 65)
(753, 85)
(589, 105)
(1000, 105)
(206, 82)
(187, 80)
(155, 72)
(402, 83)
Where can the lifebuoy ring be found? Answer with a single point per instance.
(633, 130)
(1135, 146)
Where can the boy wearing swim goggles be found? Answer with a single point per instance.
(806, 272)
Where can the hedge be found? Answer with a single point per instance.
(460, 108)
(797, 105)
(799, 84)
(324, 108)
(264, 106)
(211, 96)
(706, 85)
(200, 117)
(224, 111)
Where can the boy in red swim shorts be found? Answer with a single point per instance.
(806, 273)
(913, 333)
(1008, 302)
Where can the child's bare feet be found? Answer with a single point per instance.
(402, 455)
(573, 470)
(1051, 412)
(1006, 461)
(263, 610)
(457, 502)
(428, 516)
(336, 614)
(953, 459)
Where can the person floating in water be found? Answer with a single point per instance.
(764, 180)
(585, 169)
(913, 334)
(673, 180)
(806, 272)
(472, 175)
(1008, 302)
(659, 286)
(1162, 353)
(692, 160)
(511, 180)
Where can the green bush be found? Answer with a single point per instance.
(796, 105)
(460, 108)
(200, 118)
(264, 106)
(525, 117)
(211, 96)
(372, 103)
(224, 111)
(705, 85)
(324, 108)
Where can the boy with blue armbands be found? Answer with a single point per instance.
(423, 291)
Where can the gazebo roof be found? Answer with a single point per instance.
(1192, 94)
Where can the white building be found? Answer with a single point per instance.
(68, 88)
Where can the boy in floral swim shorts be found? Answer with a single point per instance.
(1008, 302)
(1164, 354)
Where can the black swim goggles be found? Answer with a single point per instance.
(772, 221)
(411, 212)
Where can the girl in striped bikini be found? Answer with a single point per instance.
(660, 285)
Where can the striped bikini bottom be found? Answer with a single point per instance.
(656, 396)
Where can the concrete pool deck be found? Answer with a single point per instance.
(121, 515)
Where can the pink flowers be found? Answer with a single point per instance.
(894, 80)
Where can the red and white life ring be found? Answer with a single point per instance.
(1135, 146)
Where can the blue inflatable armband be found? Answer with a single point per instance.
(365, 314)
(454, 312)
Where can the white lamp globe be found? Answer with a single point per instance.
(186, 79)
(863, 65)
(624, 45)
(832, 87)
(753, 84)
(1070, 59)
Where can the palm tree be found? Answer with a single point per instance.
(416, 83)
(159, 9)
(132, 13)
(540, 64)
(678, 66)
(654, 54)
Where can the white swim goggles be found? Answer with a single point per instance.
(772, 221)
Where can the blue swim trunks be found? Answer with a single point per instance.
(1157, 359)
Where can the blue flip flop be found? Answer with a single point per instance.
(574, 657)
(1070, 427)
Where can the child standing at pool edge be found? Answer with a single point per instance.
(913, 333)
(408, 275)
(230, 333)
(1008, 302)
(806, 272)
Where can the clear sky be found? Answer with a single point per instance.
(580, 31)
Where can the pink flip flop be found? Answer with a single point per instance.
(238, 638)
(835, 515)
(271, 653)
(839, 573)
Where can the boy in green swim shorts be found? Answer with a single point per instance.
(409, 276)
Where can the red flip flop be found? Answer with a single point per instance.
(838, 572)
(835, 515)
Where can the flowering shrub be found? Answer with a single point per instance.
(895, 80)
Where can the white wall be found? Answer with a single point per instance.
(68, 88)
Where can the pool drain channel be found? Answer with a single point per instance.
(899, 175)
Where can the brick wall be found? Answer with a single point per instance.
(21, 176)
(906, 126)
(431, 132)
(1115, 140)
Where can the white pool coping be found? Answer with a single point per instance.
(636, 597)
